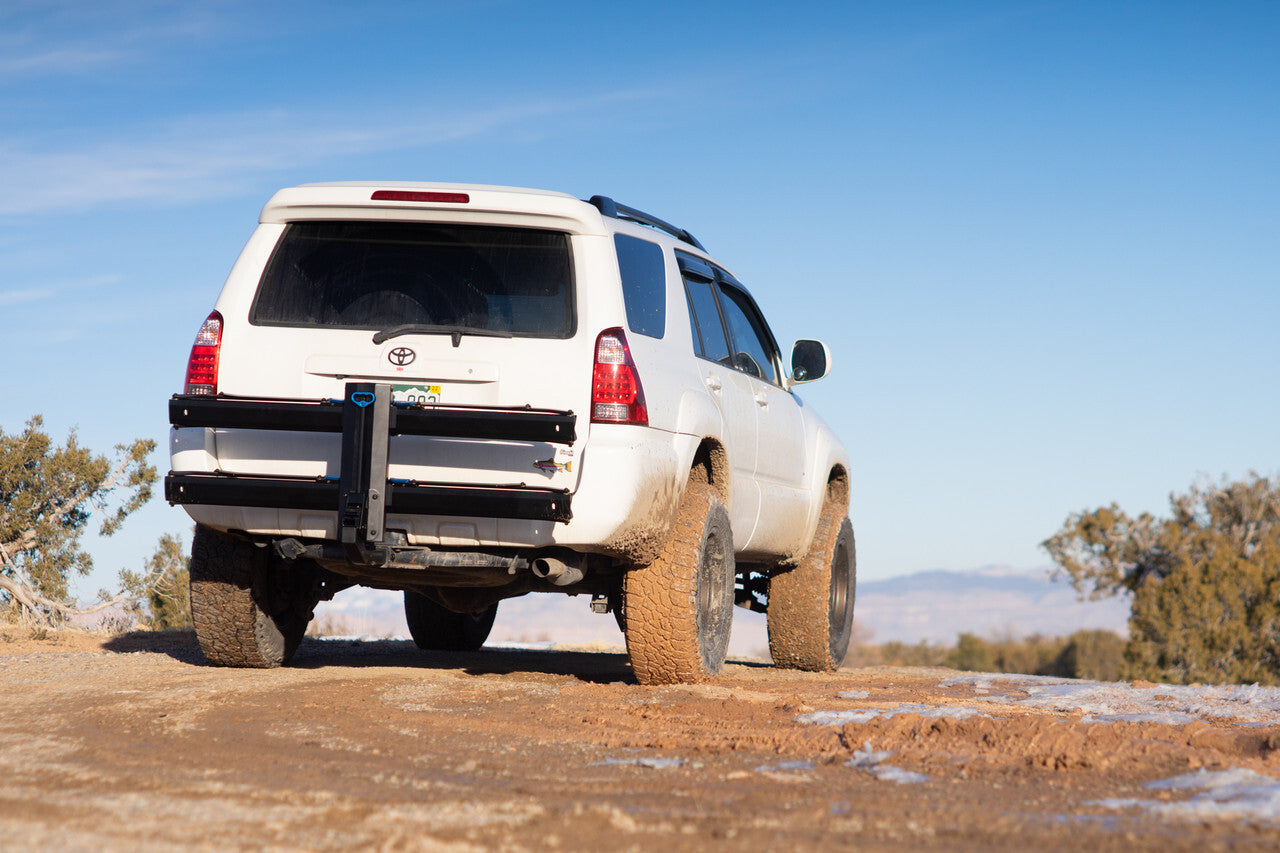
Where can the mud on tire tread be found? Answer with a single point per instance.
(435, 627)
(242, 617)
(804, 632)
(678, 610)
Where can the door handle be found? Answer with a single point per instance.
(762, 401)
(713, 382)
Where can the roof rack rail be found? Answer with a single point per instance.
(609, 207)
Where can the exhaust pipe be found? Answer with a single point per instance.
(556, 570)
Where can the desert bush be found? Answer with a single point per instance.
(330, 625)
(972, 653)
(161, 593)
(1205, 582)
(1096, 655)
(897, 654)
(1211, 620)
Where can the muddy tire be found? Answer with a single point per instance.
(678, 609)
(435, 627)
(249, 608)
(810, 610)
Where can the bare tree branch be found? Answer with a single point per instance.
(47, 612)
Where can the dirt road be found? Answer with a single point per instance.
(134, 743)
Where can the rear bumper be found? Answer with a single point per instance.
(363, 495)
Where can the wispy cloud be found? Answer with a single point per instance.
(62, 61)
(40, 293)
(17, 297)
(66, 37)
(209, 156)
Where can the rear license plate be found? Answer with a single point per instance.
(415, 393)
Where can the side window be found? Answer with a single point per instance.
(753, 350)
(709, 339)
(644, 284)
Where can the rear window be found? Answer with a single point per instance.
(378, 275)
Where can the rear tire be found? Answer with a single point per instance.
(678, 610)
(810, 611)
(250, 609)
(435, 627)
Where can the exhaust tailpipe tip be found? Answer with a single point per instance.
(557, 571)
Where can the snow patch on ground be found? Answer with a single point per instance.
(1224, 794)
(1108, 702)
(889, 773)
(648, 762)
(837, 718)
(1168, 718)
(872, 762)
(786, 767)
(864, 715)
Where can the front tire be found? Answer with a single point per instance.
(810, 611)
(250, 609)
(678, 610)
(435, 627)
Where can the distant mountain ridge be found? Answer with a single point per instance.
(990, 601)
(1035, 581)
(932, 606)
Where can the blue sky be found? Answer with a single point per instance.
(1042, 238)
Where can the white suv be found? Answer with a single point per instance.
(470, 393)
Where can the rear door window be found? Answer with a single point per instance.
(644, 284)
(378, 275)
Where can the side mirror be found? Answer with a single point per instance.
(810, 360)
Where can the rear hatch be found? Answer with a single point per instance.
(447, 314)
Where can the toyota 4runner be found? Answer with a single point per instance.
(470, 393)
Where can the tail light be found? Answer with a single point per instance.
(616, 394)
(202, 366)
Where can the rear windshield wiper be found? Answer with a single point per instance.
(423, 329)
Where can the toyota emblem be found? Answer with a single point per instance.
(400, 356)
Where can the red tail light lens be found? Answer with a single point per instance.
(202, 366)
(616, 394)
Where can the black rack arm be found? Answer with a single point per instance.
(609, 207)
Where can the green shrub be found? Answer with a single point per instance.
(1096, 655)
(161, 594)
(1205, 582)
